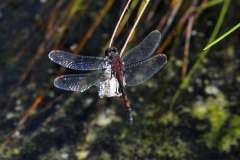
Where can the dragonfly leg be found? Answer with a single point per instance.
(130, 115)
(111, 74)
(117, 88)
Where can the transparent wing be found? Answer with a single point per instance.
(143, 50)
(76, 62)
(139, 72)
(79, 82)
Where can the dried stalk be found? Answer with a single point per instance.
(134, 26)
(118, 23)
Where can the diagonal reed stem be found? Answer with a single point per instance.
(222, 36)
(186, 81)
(134, 26)
(118, 23)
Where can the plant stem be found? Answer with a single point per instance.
(202, 56)
(222, 37)
(134, 26)
(119, 21)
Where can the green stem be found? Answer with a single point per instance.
(223, 36)
(202, 56)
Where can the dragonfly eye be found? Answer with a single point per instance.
(114, 49)
(111, 51)
(107, 52)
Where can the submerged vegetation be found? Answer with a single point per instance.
(188, 111)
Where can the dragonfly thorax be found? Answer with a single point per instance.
(116, 61)
(110, 87)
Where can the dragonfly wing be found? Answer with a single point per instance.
(79, 82)
(143, 50)
(139, 72)
(77, 62)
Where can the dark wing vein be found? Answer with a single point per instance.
(79, 82)
(139, 72)
(77, 62)
(143, 50)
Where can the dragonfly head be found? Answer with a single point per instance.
(111, 52)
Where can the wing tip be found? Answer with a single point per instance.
(156, 31)
(51, 54)
(56, 81)
(156, 34)
(164, 56)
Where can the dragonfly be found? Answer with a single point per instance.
(112, 73)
